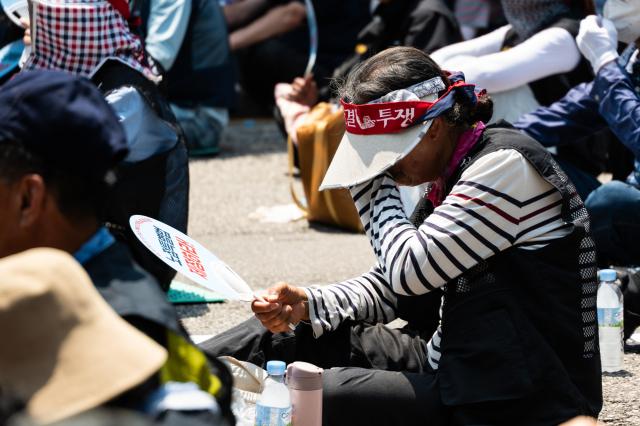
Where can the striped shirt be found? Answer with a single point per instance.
(500, 201)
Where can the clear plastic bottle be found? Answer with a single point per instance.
(274, 405)
(610, 321)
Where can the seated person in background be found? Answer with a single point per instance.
(477, 17)
(253, 21)
(283, 58)
(85, 355)
(60, 146)
(424, 24)
(154, 177)
(501, 247)
(526, 63)
(532, 61)
(611, 100)
(189, 40)
(427, 25)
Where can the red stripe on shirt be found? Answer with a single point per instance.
(497, 210)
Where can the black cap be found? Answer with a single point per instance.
(65, 119)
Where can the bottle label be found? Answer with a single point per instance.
(610, 317)
(272, 416)
(611, 348)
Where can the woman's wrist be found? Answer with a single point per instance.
(305, 316)
(304, 299)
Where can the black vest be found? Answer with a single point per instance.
(520, 340)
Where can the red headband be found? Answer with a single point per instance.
(394, 117)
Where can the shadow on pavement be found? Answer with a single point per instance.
(622, 373)
(192, 310)
(327, 229)
(252, 137)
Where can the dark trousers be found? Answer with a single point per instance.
(373, 375)
(614, 209)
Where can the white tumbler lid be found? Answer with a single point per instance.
(304, 376)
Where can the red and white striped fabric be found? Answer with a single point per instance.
(77, 36)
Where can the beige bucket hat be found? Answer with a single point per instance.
(360, 156)
(64, 350)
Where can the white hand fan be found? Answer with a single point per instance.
(190, 258)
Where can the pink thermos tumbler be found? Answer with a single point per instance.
(305, 387)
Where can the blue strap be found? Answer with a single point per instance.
(99, 242)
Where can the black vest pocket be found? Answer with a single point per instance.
(482, 359)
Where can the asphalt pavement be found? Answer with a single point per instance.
(252, 173)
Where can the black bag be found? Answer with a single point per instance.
(157, 186)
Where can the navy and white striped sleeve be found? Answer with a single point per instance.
(500, 201)
(368, 298)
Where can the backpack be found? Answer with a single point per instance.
(153, 180)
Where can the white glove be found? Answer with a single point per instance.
(598, 41)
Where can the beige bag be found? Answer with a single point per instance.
(318, 140)
(248, 378)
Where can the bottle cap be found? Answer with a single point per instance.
(607, 275)
(304, 376)
(276, 368)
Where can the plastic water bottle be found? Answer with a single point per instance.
(610, 321)
(274, 405)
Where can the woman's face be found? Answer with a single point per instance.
(429, 158)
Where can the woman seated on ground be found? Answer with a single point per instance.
(501, 238)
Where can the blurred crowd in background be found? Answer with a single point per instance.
(174, 73)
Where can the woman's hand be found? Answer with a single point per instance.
(304, 90)
(283, 304)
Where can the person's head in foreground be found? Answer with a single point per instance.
(65, 351)
(59, 144)
(403, 115)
